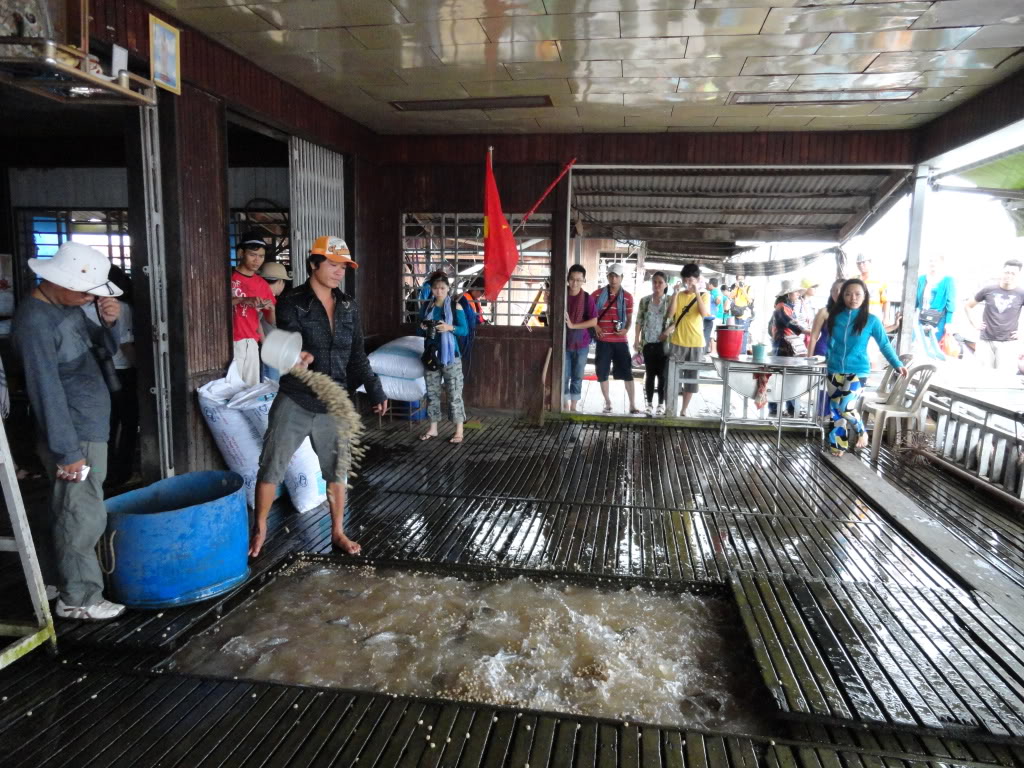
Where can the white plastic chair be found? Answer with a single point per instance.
(904, 403)
(881, 395)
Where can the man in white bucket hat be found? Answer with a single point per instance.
(63, 354)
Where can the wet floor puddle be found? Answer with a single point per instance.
(639, 655)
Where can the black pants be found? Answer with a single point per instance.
(124, 428)
(654, 363)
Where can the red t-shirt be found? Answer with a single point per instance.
(608, 319)
(246, 324)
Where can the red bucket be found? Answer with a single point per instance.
(730, 341)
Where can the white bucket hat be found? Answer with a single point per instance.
(617, 269)
(788, 286)
(77, 267)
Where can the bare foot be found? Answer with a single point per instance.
(344, 543)
(862, 441)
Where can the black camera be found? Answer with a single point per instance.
(105, 360)
(430, 328)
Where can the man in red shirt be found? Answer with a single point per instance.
(614, 307)
(251, 298)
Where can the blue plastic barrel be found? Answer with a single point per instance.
(180, 540)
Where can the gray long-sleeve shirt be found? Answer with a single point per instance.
(69, 398)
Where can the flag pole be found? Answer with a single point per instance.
(543, 197)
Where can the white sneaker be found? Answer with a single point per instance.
(52, 593)
(649, 410)
(660, 411)
(104, 610)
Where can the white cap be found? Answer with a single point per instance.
(77, 267)
(618, 269)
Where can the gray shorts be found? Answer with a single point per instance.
(688, 355)
(289, 425)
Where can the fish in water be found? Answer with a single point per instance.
(342, 622)
(385, 637)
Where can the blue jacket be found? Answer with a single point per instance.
(848, 350)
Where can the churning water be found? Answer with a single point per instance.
(636, 655)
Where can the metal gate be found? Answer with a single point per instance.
(156, 271)
(317, 186)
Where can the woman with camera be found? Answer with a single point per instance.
(440, 322)
(650, 342)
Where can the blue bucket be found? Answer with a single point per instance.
(180, 540)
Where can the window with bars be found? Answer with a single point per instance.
(453, 243)
(106, 230)
(272, 224)
(41, 231)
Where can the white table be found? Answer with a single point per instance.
(797, 377)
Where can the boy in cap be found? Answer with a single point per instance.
(61, 352)
(614, 307)
(252, 299)
(332, 343)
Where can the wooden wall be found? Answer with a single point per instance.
(195, 197)
(996, 108)
(823, 148)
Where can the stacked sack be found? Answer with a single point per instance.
(237, 416)
(399, 365)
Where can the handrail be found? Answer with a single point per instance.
(976, 443)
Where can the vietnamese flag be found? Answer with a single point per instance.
(500, 252)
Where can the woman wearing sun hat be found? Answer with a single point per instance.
(64, 356)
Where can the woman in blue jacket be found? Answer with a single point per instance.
(850, 326)
(448, 322)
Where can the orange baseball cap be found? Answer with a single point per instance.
(333, 249)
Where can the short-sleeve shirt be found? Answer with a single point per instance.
(580, 309)
(689, 330)
(610, 317)
(878, 294)
(246, 320)
(1002, 311)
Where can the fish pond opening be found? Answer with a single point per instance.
(636, 654)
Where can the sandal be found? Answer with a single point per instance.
(456, 439)
(634, 411)
(427, 436)
(606, 409)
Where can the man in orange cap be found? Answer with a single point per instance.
(332, 340)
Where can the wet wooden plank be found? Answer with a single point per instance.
(848, 679)
(764, 643)
(797, 652)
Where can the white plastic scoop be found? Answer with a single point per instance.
(281, 349)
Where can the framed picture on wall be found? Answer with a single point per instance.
(164, 55)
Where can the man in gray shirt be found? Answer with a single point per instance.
(71, 403)
(1000, 345)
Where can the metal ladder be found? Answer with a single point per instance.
(28, 635)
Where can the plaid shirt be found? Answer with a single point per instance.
(340, 354)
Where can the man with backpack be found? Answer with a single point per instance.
(614, 307)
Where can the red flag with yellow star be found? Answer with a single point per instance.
(500, 253)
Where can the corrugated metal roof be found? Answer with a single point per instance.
(692, 207)
(712, 182)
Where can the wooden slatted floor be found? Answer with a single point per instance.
(107, 718)
(631, 501)
(888, 655)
